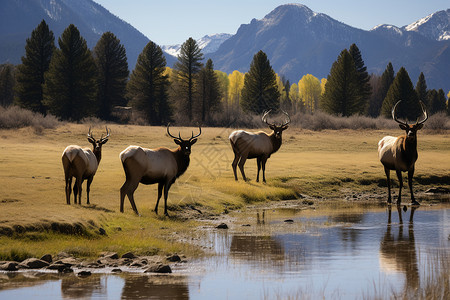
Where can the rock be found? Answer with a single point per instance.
(63, 255)
(102, 231)
(116, 270)
(9, 266)
(158, 268)
(438, 190)
(222, 226)
(47, 258)
(288, 221)
(129, 255)
(84, 274)
(110, 255)
(34, 263)
(173, 258)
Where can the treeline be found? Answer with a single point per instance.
(73, 82)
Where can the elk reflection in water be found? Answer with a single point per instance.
(398, 249)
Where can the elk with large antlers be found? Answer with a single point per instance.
(82, 164)
(259, 145)
(149, 166)
(400, 153)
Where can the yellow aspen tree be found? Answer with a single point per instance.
(295, 98)
(235, 86)
(309, 90)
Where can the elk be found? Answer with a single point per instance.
(259, 145)
(400, 153)
(82, 164)
(149, 166)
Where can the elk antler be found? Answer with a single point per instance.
(105, 139)
(168, 132)
(394, 115)
(193, 137)
(286, 121)
(424, 111)
(264, 117)
(90, 136)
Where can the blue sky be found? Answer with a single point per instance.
(168, 22)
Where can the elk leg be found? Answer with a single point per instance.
(68, 188)
(166, 194)
(160, 188)
(241, 166)
(128, 188)
(234, 165)
(264, 160)
(400, 182)
(410, 177)
(75, 191)
(88, 187)
(388, 177)
(258, 161)
(123, 192)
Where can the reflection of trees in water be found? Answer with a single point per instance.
(398, 250)
(349, 234)
(155, 287)
(14, 280)
(74, 287)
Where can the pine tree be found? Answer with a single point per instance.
(148, 86)
(421, 89)
(260, 91)
(111, 59)
(187, 68)
(70, 89)
(365, 90)
(436, 101)
(342, 94)
(402, 89)
(7, 83)
(209, 91)
(30, 74)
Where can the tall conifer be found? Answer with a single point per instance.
(70, 89)
(209, 91)
(30, 74)
(365, 90)
(111, 59)
(148, 86)
(260, 91)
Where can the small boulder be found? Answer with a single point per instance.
(159, 268)
(9, 266)
(129, 255)
(117, 270)
(84, 274)
(34, 263)
(222, 226)
(48, 258)
(173, 258)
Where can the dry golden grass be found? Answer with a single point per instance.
(327, 164)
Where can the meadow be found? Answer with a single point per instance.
(316, 166)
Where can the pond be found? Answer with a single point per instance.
(336, 253)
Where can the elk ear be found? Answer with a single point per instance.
(193, 141)
(285, 127)
(178, 142)
(403, 126)
(272, 127)
(91, 140)
(419, 126)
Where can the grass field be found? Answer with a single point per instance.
(35, 219)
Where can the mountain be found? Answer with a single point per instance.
(299, 41)
(208, 44)
(435, 26)
(18, 18)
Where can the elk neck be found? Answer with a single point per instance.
(409, 148)
(276, 142)
(182, 161)
(98, 153)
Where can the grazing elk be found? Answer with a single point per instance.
(82, 164)
(149, 166)
(400, 153)
(259, 145)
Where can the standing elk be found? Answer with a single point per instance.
(149, 166)
(82, 164)
(400, 153)
(259, 145)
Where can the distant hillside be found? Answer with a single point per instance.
(18, 18)
(299, 41)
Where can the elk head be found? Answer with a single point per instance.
(185, 145)
(97, 144)
(277, 129)
(411, 129)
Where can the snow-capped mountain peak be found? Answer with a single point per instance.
(435, 26)
(208, 44)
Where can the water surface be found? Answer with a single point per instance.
(281, 253)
